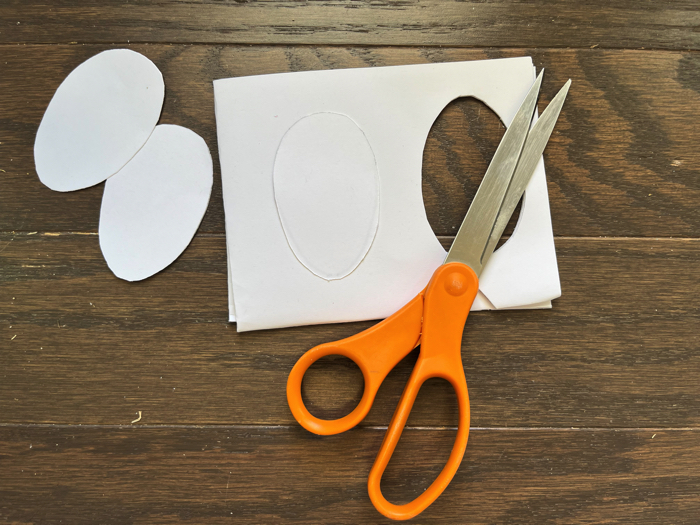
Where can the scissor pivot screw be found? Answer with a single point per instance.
(456, 284)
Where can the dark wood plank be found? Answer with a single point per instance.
(286, 475)
(602, 390)
(623, 160)
(503, 23)
(619, 348)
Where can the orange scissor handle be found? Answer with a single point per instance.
(448, 298)
(376, 351)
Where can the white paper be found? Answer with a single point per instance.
(395, 108)
(152, 208)
(99, 117)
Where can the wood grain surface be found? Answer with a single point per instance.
(139, 403)
(258, 474)
(472, 23)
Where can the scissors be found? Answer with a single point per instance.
(435, 317)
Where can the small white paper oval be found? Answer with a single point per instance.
(152, 208)
(99, 117)
(326, 189)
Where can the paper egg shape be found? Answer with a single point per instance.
(326, 189)
(152, 208)
(99, 117)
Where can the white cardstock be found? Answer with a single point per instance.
(296, 254)
(152, 208)
(99, 117)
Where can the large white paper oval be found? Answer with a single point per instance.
(152, 208)
(326, 189)
(97, 120)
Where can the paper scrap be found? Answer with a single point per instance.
(394, 107)
(152, 208)
(99, 117)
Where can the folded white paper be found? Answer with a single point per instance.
(285, 210)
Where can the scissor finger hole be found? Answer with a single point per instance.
(332, 387)
(421, 452)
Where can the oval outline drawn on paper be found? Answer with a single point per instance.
(326, 189)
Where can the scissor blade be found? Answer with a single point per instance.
(529, 158)
(475, 231)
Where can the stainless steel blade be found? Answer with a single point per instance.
(475, 231)
(529, 158)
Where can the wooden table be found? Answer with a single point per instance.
(586, 413)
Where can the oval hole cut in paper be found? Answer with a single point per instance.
(326, 188)
(152, 208)
(99, 117)
(471, 131)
